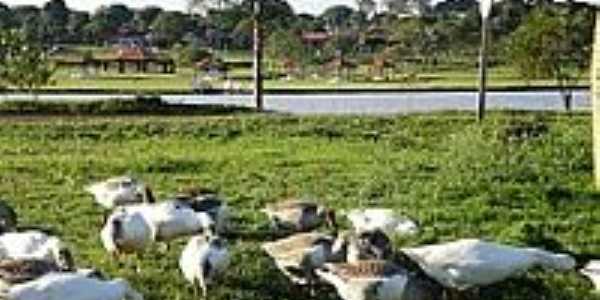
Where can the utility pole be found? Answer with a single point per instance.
(258, 82)
(486, 8)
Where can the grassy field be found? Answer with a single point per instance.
(455, 177)
(499, 77)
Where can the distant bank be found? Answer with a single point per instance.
(297, 91)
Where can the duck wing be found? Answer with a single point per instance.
(19, 271)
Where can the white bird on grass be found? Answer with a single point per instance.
(208, 201)
(71, 286)
(119, 191)
(386, 220)
(35, 245)
(299, 255)
(592, 271)
(132, 228)
(203, 258)
(376, 280)
(472, 263)
(299, 215)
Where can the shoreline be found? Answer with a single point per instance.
(295, 91)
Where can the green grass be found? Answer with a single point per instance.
(114, 107)
(499, 77)
(457, 178)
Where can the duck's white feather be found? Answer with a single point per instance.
(386, 220)
(134, 234)
(202, 259)
(117, 191)
(30, 245)
(592, 271)
(170, 219)
(468, 263)
(142, 224)
(366, 280)
(72, 286)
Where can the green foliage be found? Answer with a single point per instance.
(453, 176)
(551, 43)
(140, 106)
(190, 54)
(168, 28)
(55, 17)
(24, 63)
(282, 46)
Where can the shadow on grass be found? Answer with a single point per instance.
(142, 106)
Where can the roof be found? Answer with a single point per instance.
(315, 36)
(132, 53)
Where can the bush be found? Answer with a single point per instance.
(138, 106)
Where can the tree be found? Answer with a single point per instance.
(145, 17)
(78, 20)
(168, 28)
(417, 38)
(553, 43)
(275, 15)
(28, 21)
(55, 16)
(23, 63)
(6, 16)
(338, 16)
(408, 7)
(286, 47)
(366, 7)
(257, 39)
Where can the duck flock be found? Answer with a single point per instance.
(360, 263)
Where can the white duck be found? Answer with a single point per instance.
(376, 280)
(386, 220)
(298, 255)
(470, 263)
(71, 286)
(119, 191)
(132, 228)
(299, 215)
(203, 258)
(592, 271)
(208, 201)
(35, 245)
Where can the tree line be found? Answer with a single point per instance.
(539, 38)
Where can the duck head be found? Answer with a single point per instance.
(329, 216)
(147, 195)
(62, 255)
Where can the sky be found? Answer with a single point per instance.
(310, 6)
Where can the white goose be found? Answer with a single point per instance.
(299, 215)
(592, 271)
(203, 258)
(119, 191)
(208, 201)
(71, 286)
(376, 280)
(386, 220)
(35, 245)
(469, 263)
(132, 228)
(299, 255)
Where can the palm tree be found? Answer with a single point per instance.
(205, 5)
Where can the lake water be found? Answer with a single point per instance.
(366, 103)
